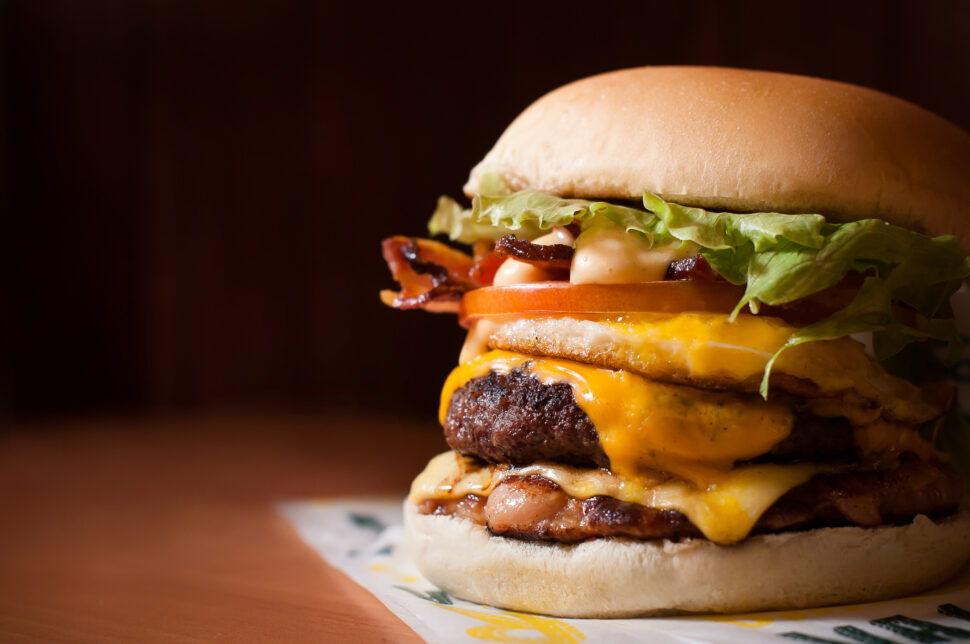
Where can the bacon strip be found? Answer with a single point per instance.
(432, 275)
(692, 268)
(487, 262)
(552, 256)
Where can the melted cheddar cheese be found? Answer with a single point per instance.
(711, 346)
(881, 438)
(670, 446)
(693, 434)
(709, 349)
(724, 513)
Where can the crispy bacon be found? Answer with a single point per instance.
(551, 256)
(432, 275)
(692, 268)
(487, 262)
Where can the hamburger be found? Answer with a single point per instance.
(705, 311)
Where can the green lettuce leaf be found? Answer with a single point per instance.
(528, 211)
(458, 223)
(461, 225)
(788, 271)
(725, 230)
(528, 214)
(871, 311)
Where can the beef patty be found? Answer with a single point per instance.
(538, 509)
(514, 418)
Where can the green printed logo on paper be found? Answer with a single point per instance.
(367, 522)
(914, 630)
(436, 596)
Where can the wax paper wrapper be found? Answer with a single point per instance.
(363, 537)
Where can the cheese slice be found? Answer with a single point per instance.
(693, 434)
(724, 512)
(711, 351)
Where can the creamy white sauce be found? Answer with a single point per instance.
(610, 255)
(476, 342)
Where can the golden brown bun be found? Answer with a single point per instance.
(742, 140)
(625, 577)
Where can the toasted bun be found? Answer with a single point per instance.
(625, 577)
(742, 140)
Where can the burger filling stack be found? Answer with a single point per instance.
(707, 311)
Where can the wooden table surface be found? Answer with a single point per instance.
(134, 529)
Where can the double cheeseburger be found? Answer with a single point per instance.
(691, 295)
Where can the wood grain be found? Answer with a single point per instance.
(164, 529)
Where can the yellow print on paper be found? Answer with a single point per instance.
(539, 630)
(749, 620)
(760, 620)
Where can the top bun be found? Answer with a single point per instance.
(746, 141)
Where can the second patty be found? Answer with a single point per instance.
(514, 418)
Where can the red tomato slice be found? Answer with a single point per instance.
(551, 298)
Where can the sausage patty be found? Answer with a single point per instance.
(538, 509)
(514, 418)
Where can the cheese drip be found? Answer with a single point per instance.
(642, 425)
(724, 513)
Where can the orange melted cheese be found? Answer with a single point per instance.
(644, 425)
(673, 447)
(724, 513)
(708, 348)
(881, 438)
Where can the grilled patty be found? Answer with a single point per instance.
(538, 509)
(514, 418)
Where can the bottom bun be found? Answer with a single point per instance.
(624, 577)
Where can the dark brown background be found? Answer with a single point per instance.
(194, 192)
